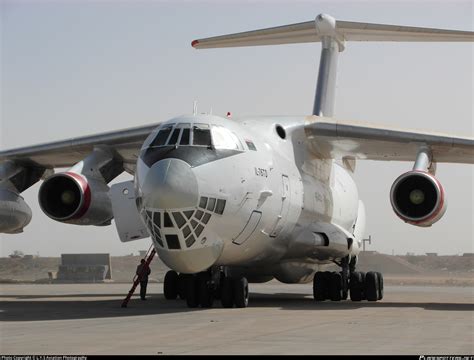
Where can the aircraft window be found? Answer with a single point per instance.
(194, 223)
(173, 242)
(250, 145)
(168, 222)
(189, 213)
(174, 137)
(185, 137)
(189, 241)
(199, 230)
(203, 202)
(211, 204)
(223, 138)
(162, 136)
(199, 214)
(220, 206)
(206, 218)
(201, 135)
(180, 221)
(186, 231)
(157, 219)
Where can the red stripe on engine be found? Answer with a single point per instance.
(86, 192)
(441, 201)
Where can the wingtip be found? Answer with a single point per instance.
(194, 43)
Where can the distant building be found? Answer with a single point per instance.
(431, 254)
(468, 254)
(85, 268)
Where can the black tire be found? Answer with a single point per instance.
(192, 295)
(371, 286)
(227, 292)
(206, 296)
(241, 292)
(380, 287)
(320, 286)
(356, 286)
(170, 285)
(182, 278)
(335, 286)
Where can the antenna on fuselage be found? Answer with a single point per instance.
(195, 107)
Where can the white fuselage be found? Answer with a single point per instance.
(266, 210)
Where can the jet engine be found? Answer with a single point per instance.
(418, 198)
(77, 199)
(15, 214)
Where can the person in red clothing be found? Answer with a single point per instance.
(143, 270)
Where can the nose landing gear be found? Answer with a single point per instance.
(336, 286)
(203, 288)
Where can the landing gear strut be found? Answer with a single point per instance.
(336, 286)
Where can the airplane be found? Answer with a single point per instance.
(231, 201)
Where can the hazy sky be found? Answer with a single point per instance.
(76, 68)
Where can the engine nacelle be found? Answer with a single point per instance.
(418, 198)
(15, 213)
(73, 198)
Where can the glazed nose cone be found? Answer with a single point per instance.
(170, 184)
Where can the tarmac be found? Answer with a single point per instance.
(86, 319)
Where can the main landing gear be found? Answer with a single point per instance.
(337, 286)
(203, 288)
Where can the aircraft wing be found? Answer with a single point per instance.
(66, 153)
(337, 139)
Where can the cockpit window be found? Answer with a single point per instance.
(211, 136)
(223, 138)
(201, 135)
(162, 136)
(185, 137)
(174, 136)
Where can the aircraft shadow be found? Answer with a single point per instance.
(29, 308)
(306, 302)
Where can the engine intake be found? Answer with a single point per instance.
(76, 199)
(418, 198)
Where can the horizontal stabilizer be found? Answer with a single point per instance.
(324, 25)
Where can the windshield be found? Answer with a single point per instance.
(217, 137)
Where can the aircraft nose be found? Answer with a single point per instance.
(170, 184)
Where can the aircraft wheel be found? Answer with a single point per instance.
(206, 296)
(335, 286)
(170, 286)
(182, 278)
(356, 286)
(371, 286)
(380, 286)
(241, 292)
(227, 296)
(192, 291)
(320, 286)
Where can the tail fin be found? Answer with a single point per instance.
(332, 34)
(324, 25)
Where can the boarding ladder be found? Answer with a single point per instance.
(136, 279)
